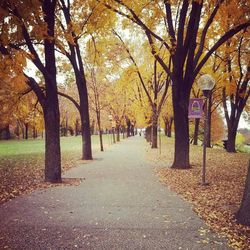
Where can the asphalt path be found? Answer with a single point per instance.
(120, 204)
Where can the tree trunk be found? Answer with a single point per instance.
(26, 136)
(231, 138)
(196, 130)
(34, 132)
(23, 131)
(86, 140)
(51, 106)
(148, 133)
(132, 130)
(118, 133)
(165, 129)
(77, 127)
(18, 130)
(101, 140)
(154, 129)
(113, 135)
(92, 127)
(128, 127)
(154, 136)
(98, 116)
(52, 142)
(66, 124)
(123, 132)
(169, 133)
(180, 98)
(5, 133)
(168, 122)
(84, 112)
(243, 215)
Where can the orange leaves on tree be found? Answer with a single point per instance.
(40, 31)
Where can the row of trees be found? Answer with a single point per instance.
(137, 61)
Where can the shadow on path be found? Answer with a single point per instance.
(119, 205)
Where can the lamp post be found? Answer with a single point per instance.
(206, 84)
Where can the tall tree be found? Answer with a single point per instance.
(25, 26)
(237, 90)
(98, 87)
(97, 81)
(186, 38)
(155, 88)
(72, 33)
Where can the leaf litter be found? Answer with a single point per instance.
(216, 203)
(24, 173)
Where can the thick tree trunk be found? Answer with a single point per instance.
(128, 128)
(168, 122)
(34, 133)
(18, 130)
(165, 129)
(51, 106)
(8, 135)
(154, 130)
(231, 138)
(86, 140)
(23, 131)
(181, 126)
(169, 132)
(26, 136)
(196, 130)
(52, 142)
(148, 133)
(84, 112)
(101, 140)
(243, 215)
(154, 136)
(5, 133)
(117, 133)
(132, 132)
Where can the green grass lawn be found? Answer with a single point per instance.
(22, 162)
(37, 146)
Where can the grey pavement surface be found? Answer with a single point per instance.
(120, 205)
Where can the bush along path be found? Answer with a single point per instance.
(120, 204)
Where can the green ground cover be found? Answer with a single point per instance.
(36, 146)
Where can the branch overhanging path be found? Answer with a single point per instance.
(120, 204)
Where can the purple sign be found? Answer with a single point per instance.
(195, 108)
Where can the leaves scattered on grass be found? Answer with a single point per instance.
(215, 203)
(24, 173)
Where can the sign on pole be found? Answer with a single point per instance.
(195, 108)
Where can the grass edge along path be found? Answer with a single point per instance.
(22, 164)
(216, 203)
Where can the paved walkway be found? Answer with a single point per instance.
(120, 205)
